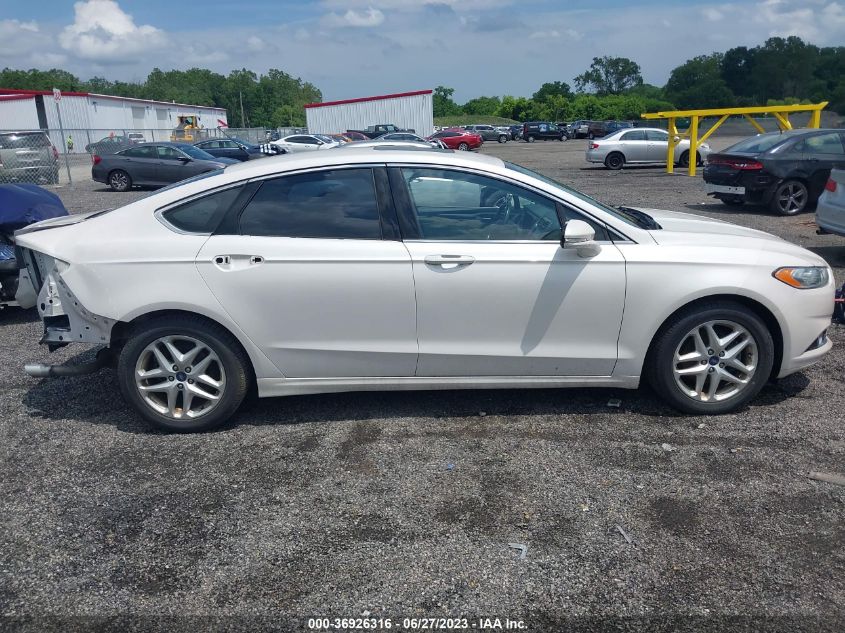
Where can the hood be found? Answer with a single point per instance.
(687, 229)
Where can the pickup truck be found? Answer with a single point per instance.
(374, 131)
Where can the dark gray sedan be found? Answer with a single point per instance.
(153, 164)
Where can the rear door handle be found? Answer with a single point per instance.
(449, 261)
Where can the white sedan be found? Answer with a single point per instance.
(640, 146)
(305, 143)
(416, 269)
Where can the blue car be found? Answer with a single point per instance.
(20, 206)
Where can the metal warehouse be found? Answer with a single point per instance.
(95, 115)
(410, 110)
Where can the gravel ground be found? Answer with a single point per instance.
(404, 504)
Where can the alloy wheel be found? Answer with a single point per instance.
(180, 377)
(119, 180)
(791, 198)
(715, 361)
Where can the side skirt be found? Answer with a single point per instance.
(270, 387)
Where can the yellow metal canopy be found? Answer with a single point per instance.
(780, 113)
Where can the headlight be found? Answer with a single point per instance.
(804, 277)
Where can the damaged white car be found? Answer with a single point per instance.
(393, 268)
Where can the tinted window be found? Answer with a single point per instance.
(337, 203)
(148, 151)
(23, 141)
(759, 143)
(452, 205)
(227, 144)
(202, 215)
(830, 143)
(637, 135)
(168, 153)
(657, 135)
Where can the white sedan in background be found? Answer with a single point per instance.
(640, 146)
(416, 269)
(305, 143)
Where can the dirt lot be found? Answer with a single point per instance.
(404, 504)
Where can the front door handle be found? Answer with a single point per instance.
(449, 261)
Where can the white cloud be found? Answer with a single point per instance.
(254, 43)
(102, 31)
(365, 18)
(539, 35)
(16, 37)
(712, 13)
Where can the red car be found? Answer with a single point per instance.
(458, 139)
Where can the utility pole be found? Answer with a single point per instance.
(57, 96)
(241, 97)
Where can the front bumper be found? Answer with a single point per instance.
(807, 318)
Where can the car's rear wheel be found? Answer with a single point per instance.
(503, 138)
(463, 147)
(614, 161)
(183, 373)
(590, 136)
(711, 360)
(119, 180)
(530, 139)
(683, 159)
(790, 198)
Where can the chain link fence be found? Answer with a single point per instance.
(61, 157)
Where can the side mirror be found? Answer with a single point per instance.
(579, 235)
(676, 139)
(185, 159)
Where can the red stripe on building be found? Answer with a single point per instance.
(16, 97)
(364, 99)
(32, 93)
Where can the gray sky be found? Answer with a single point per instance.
(353, 48)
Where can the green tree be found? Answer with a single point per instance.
(443, 103)
(553, 89)
(482, 106)
(609, 76)
(698, 83)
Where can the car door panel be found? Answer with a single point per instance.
(490, 305)
(319, 308)
(532, 309)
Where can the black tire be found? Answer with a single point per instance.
(683, 161)
(119, 180)
(731, 200)
(590, 136)
(503, 138)
(615, 161)
(464, 147)
(564, 137)
(53, 178)
(660, 362)
(232, 357)
(530, 138)
(790, 198)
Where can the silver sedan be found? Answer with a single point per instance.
(640, 146)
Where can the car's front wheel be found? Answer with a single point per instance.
(790, 198)
(183, 373)
(711, 360)
(119, 180)
(464, 147)
(530, 139)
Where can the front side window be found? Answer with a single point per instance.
(453, 205)
(332, 204)
(657, 135)
(636, 135)
(168, 153)
(202, 215)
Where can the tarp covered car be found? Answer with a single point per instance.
(20, 206)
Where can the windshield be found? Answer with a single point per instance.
(621, 214)
(195, 152)
(756, 144)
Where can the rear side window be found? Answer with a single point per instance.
(148, 151)
(23, 141)
(202, 215)
(331, 204)
(822, 144)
